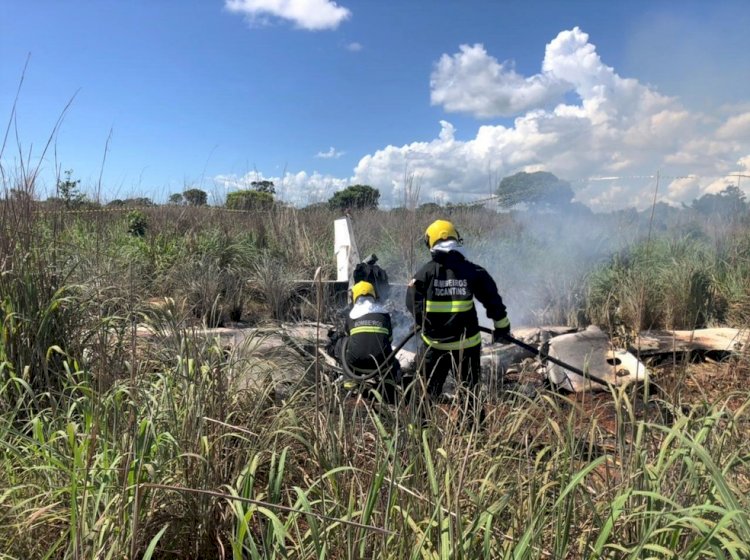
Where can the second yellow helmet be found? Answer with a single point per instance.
(362, 289)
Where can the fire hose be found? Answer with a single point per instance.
(365, 375)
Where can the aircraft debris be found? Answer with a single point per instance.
(592, 351)
(653, 343)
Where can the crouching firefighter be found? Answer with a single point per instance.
(441, 298)
(366, 349)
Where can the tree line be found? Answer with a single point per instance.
(540, 191)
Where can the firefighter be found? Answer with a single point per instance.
(441, 298)
(369, 337)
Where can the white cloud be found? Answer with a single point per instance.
(313, 15)
(736, 128)
(684, 189)
(298, 188)
(354, 46)
(472, 81)
(332, 153)
(618, 127)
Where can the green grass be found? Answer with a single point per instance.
(171, 446)
(182, 468)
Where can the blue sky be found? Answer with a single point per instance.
(317, 95)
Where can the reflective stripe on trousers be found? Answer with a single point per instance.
(457, 345)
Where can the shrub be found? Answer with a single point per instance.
(137, 223)
(249, 200)
(662, 284)
(275, 284)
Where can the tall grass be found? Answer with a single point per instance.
(670, 283)
(184, 464)
(117, 445)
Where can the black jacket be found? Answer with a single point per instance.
(441, 298)
(369, 341)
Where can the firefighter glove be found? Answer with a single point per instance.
(502, 329)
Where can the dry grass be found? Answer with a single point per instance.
(173, 447)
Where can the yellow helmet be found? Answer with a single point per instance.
(440, 230)
(362, 289)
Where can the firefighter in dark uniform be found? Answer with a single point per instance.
(369, 337)
(441, 298)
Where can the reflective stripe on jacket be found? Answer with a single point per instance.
(377, 330)
(370, 338)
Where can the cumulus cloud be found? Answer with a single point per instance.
(617, 127)
(613, 128)
(474, 82)
(332, 153)
(354, 46)
(313, 15)
(735, 128)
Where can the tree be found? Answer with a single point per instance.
(430, 207)
(249, 200)
(137, 201)
(195, 197)
(176, 198)
(264, 186)
(728, 203)
(68, 191)
(316, 207)
(355, 197)
(535, 189)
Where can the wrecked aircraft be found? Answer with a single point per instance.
(593, 361)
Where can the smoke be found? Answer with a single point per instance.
(539, 261)
(542, 267)
(401, 319)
